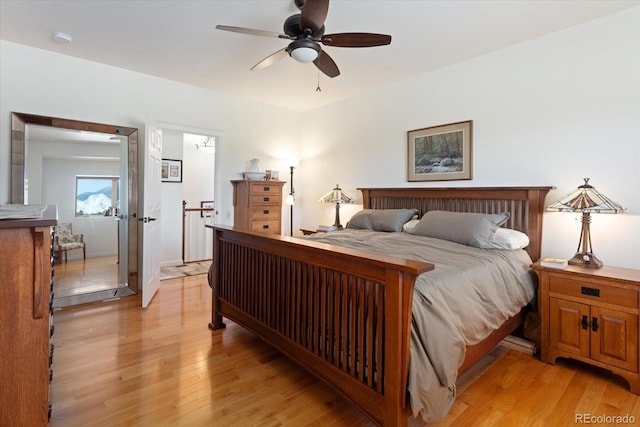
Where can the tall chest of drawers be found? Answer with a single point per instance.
(257, 205)
(26, 322)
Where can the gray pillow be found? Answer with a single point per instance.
(471, 229)
(381, 219)
(360, 221)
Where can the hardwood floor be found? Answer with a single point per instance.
(117, 364)
(79, 276)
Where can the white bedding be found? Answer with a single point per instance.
(470, 293)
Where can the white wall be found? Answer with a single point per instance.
(547, 112)
(171, 204)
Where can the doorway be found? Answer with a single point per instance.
(184, 240)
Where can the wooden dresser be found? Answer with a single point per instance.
(25, 320)
(257, 205)
(592, 315)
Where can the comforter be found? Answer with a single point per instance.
(470, 293)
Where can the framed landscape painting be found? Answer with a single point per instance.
(440, 153)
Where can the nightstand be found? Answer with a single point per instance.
(591, 315)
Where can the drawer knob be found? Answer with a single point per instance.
(266, 188)
(265, 226)
(265, 212)
(594, 292)
(265, 199)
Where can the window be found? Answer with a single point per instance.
(97, 196)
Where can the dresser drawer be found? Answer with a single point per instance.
(266, 212)
(267, 199)
(265, 188)
(593, 291)
(267, 226)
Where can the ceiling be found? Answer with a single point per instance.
(177, 40)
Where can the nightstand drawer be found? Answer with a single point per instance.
(593, 292)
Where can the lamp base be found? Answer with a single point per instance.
(586, 259)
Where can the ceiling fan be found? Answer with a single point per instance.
(306, 30)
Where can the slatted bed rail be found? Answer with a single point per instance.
(344, 323)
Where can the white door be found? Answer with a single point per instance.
(151, 216)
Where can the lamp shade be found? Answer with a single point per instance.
(337, 196)
(586, 199)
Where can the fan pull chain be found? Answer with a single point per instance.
(318, 87)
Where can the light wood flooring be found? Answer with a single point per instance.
(79, 276)
(116, 364)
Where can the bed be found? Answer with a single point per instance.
(345, 314)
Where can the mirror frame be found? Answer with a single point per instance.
(19, 122)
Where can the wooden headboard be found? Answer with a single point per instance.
(525, 205)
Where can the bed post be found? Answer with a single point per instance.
(214, 279)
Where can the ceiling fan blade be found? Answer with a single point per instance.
(313, 14)
(271, 59)
(326, 64)
(355, 39)
(252, 32)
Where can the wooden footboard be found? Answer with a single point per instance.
(342, 314)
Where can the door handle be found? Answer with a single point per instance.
(585, 322)
(146, 219)
(594, 324)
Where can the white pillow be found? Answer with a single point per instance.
(408, 227)
(505, 238)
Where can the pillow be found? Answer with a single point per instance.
(381, 219)
(471, 229)
(505, 238)
(408, 227)
(360, 221)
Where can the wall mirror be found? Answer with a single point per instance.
(89, 170)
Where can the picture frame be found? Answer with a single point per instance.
(207, 204)
(171, 170)
(440, 153)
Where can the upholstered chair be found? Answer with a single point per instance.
(65, 240)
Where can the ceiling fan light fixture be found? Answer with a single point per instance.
(304, 50)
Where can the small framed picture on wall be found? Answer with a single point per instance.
(171, 170)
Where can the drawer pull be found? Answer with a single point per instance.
(265, 226)
(594, 292)
(266, 188)
(594, 324)
(265, 199)
(585, 322)
(265, 212)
